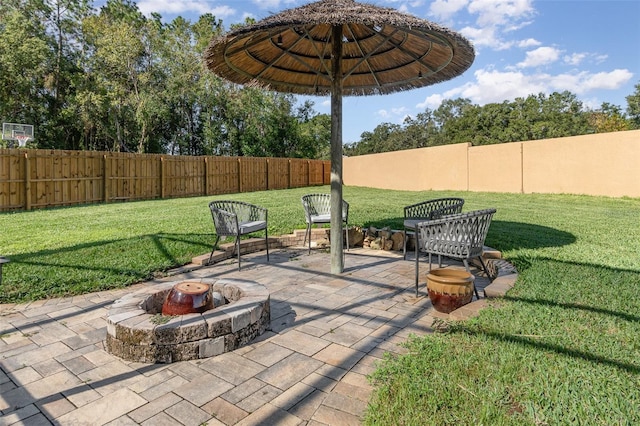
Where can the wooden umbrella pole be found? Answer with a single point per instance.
(337, 259)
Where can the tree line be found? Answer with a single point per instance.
(114, 80)
(534, 117)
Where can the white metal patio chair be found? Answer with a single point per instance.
(237, 218)
(428, 210)
(317, 209)
(459, 236)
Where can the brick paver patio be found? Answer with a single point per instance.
(327, 333)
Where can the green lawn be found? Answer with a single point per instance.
(562, 348)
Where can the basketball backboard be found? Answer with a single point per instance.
(15, 132)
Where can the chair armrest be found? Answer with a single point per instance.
(226, 223)
(257, 213)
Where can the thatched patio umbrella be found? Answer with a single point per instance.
(339, 47)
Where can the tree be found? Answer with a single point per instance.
(376, 141)
(25, 60)
(62, 18)
(186, 83)
(421, 131)
(609, 118)
(451, 122)
(314, 133)
(124, 77)
(633, 107)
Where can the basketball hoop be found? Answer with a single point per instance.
(17, 132)
(22, 140)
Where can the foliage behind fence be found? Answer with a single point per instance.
(49, 178)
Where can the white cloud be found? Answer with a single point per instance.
(530, 42)
(267, 4)
(273, 5)
(497, 86)
(575, 58)
(431, 102)
(540, 56)
(601, 58)
(500, 12)
(393, 113)
(445, 9)
(494, 19)
(383, 113)
(179, 7)
(607, 80)
(486, 37)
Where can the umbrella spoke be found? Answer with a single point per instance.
(321, 57)
(238, 46)
(365, 56)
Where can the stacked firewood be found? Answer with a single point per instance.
(383, 239)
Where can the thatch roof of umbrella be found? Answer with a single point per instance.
(383, 50)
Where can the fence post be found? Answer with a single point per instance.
(289, 184)
(27, 182)
(239, 175)
(267, 174)
(162, 177)
(206, 174)
(105, 178)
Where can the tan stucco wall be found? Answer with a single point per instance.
(442, 167)
(446, 167)
(397, 170)
(496, 168)
(602, 164)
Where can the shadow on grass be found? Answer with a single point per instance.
(578, 306)
(517, 235)
(559, 349)
(71, 270)
(507, 236)
(158, 240)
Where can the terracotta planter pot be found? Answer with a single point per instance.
(449, 289)
(188, 297)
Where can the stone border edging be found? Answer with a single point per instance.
(506, 279)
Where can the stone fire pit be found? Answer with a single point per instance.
(137, 330)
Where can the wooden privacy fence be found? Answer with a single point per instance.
(48, 178)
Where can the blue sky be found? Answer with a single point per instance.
(588, 47)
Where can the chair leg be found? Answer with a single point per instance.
(214, 248)
(485, 269)
(346, 233)
(417, 273)
(417, 263)
(475, 289)
(266, 240)
(404, 245)
(309, 231)
(238, 248)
